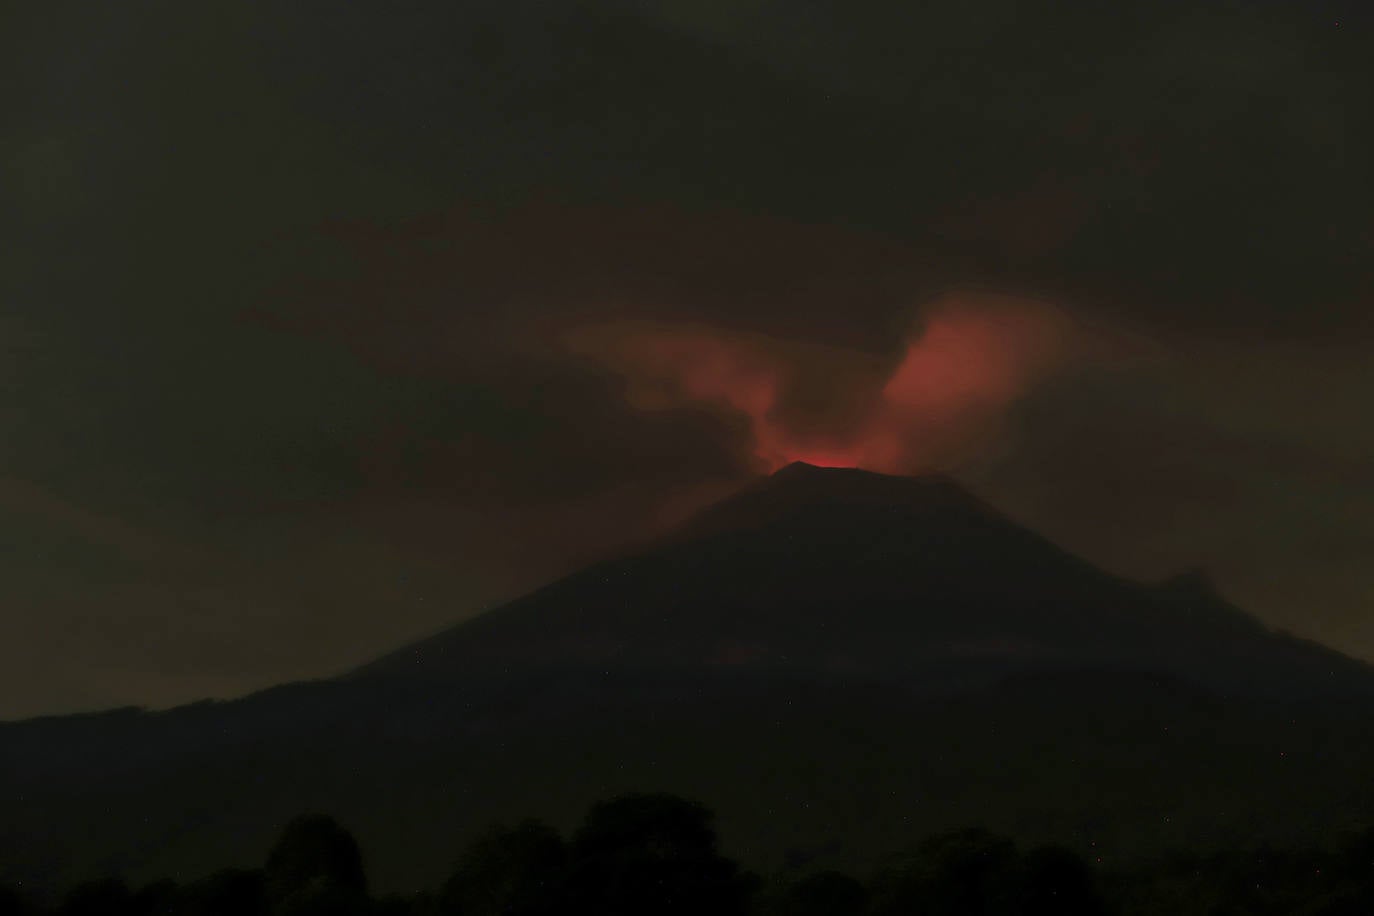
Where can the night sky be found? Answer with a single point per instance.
(326, 325)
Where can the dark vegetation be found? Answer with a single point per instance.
(657, 854)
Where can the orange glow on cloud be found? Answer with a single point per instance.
(968, 361)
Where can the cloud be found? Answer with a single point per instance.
(967, 360)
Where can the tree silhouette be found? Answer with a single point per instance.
(827, 893)
(507, 872)
(657, 854)
(1057, 882)
(396, 905)
(12, 903)
(652, 854)
(315, 869)
(101, 897)
(157, 899)
(964, 873)
(231, 892)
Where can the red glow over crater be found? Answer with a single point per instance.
(969, 360)
(821, 459)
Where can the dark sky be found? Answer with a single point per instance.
(328, 324)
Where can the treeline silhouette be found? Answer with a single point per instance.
(657, 855)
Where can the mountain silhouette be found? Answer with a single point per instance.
(837, 661)
(906, 579)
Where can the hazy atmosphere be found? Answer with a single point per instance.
(324, 326)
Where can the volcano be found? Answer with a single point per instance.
(838, 661)
(839, 572)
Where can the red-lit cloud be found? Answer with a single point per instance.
(967, 360)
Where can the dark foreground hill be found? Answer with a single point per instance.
(837, 662)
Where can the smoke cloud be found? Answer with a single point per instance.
(967, 360)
